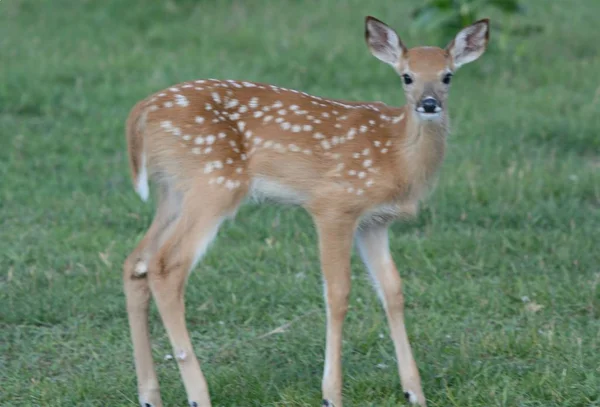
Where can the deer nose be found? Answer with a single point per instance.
(430, 105)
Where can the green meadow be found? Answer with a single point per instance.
(501, 268)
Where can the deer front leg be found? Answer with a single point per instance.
(335, 245)
(374, 249)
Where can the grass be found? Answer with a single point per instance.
(501, 268)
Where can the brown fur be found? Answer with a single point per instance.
(208, 144)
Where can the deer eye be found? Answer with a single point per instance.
(407, 79)
(447, 78)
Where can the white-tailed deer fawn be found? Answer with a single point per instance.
(355, 167)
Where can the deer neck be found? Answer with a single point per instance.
(421, 150)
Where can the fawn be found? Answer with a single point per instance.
(354, 166)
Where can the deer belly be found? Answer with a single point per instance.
(268, 189)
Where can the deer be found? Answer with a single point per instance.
(209, 145)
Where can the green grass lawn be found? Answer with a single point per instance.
(501, 268)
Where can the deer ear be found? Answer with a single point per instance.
(470, 43)
(383, 41)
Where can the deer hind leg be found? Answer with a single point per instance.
(202, 213)
(335, 246)
(374, 249)
(137, 294)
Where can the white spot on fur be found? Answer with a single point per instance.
(181, 100)
(231, 104)
(199, 119)
(229, 184)
(398, 118)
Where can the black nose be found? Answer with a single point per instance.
(429, 105)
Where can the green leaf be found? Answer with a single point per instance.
(508, 6)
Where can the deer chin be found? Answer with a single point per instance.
(429, 117)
